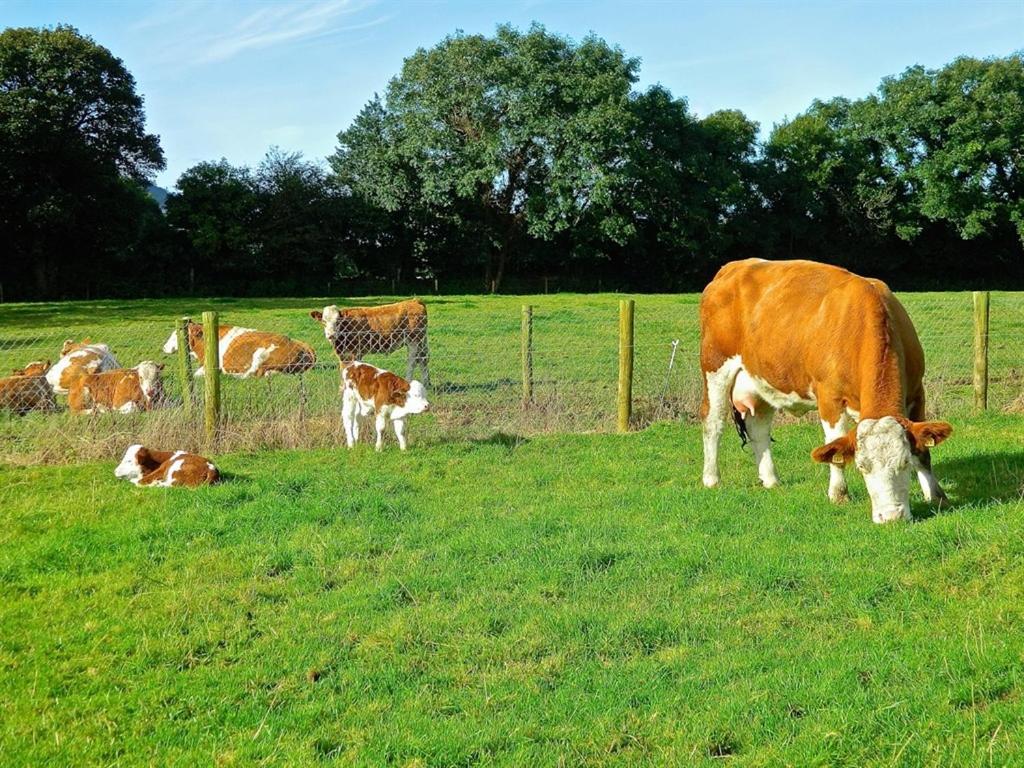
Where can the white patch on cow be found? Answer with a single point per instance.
(129, 468)
(837, 492)
(783, 401)
(332, 319)
(883, 456)
(171, 345)
(104, 361)
(172, 470)
(719, 385)
(259, 357)
(149, 380)
(129, 407)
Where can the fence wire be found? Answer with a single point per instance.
(478, 385)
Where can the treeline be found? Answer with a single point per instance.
(509, 163)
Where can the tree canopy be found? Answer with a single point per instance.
(73, 148)
(493, 162)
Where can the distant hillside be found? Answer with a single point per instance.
(157, 193)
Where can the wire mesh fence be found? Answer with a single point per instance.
(491, 369)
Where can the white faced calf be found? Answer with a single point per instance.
(367, 390)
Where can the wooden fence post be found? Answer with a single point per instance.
(981, 304)
(211, 371)
(526, 342)
(185, 366)
(625, 400)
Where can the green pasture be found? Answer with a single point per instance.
(552, 600)
(476, 366)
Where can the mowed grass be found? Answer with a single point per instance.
(476, 366)
(560, 600)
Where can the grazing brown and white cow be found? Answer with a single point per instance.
(35, 368)
(358, 331)
(798, 335)
(367, 390)
(76, 359)
(247, 353)
(165, 469)
(125, 390)
(24, 392)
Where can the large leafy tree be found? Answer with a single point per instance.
(955, 139)
(73, 148)
(214, 207)
(521, 133)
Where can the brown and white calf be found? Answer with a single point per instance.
(165, 469)
(358, 331)
(367, 390)
(247, 353)
(798, 335)
(35, 368)
(78, 358)
(125, 390)
(26, 391)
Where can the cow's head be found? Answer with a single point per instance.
(885, 451)
(171, 345)
(416, 398)
(329, 319)
(150, 381)
(134, 463)
(35, 368)
(70, 345)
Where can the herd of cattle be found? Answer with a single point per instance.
(788, 335)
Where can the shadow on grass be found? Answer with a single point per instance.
(985, 477)
(451, 388)
(502, 439)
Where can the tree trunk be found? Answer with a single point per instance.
(42, 277)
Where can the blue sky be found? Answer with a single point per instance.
(230, 79)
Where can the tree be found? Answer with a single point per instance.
(954, 138)
(520, 133)
(215, 206)
(73, 148)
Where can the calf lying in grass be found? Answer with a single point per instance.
(368, 390)
(149, 467)
(27, 390)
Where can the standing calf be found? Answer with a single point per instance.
(368, 390)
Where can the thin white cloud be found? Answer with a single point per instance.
(274, 25)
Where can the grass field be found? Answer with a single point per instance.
(557, 600)
(475, 362)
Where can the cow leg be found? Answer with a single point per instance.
(716, 405)
(759, 430)
(399, 425)
(381, 423)
(349, 418)
(834, 429)
(930, 487)
(922, 464)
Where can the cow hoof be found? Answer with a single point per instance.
(838, 497)
(710, 482)
(772, 483)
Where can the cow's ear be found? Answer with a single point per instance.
(927, 434)
(317, 315)
(840, 451)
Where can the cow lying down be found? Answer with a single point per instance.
(165, 469)
(367, 390)
(27, 390)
